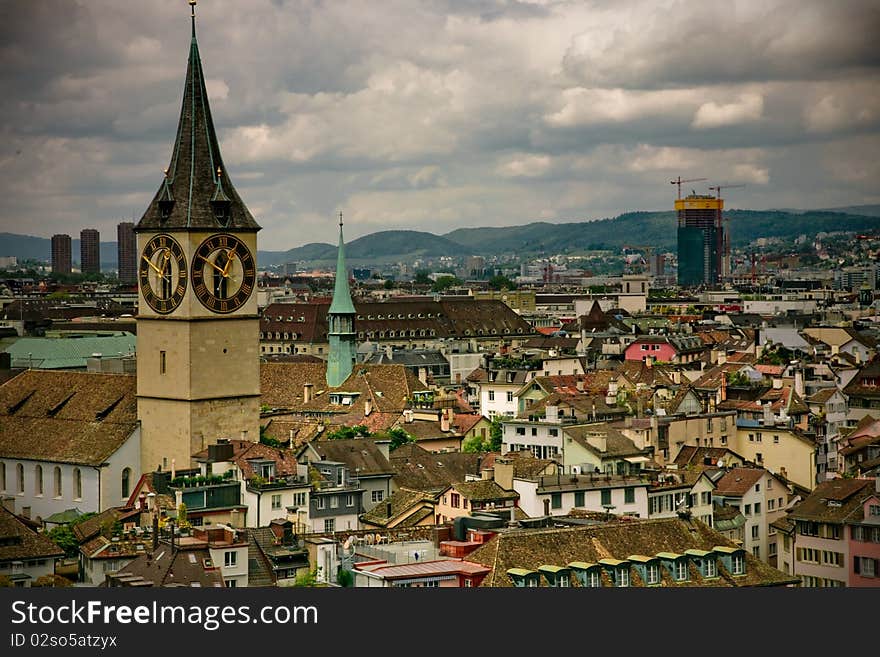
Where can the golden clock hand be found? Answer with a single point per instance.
(150, 262)
(229, 255)
(213, 265)
(166, 258)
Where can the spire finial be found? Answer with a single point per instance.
(192, 8)
(340, 219)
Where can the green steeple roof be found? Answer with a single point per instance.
(341, 293)
(196, 193)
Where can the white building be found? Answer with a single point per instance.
(68, 440)
(557, 495)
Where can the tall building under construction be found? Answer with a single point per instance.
(702, 243)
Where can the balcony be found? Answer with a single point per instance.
(261, 483)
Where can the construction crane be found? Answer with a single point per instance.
(725, 247)
(718, 188)
(678, 182)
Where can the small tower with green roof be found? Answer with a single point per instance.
(343, 343)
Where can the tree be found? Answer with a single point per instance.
(490, 444)
(444, 283)
(422, 278)
(399, 437)
(347, 433)
(63, 537)
(344, 577)
(389, 284)
(308, 578)
(501, 282)
(495, 433)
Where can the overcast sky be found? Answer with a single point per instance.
(438, 115)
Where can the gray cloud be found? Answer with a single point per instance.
(437, 115)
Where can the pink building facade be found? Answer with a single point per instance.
(864, 546)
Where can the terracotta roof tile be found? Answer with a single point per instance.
(69, 417)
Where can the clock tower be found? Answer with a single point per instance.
(198, 369)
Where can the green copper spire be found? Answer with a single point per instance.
(341, 293)
(341, 333)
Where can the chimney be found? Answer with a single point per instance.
(408, 415)
(580, 384)
(649, 361)
(444, 421)
(723, 390)
(768, 414)
(799, 382)
(368, 407)
(423, 375)
(307, 393)
(155, 531)
(598, 440)
(777, 383)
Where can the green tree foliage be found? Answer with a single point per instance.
(63, 537)
(422, 278)
(347, 433)
(444, 283)
(399, 437)
(266, 439)
(501, 282)
(490, 444)
(344, 578)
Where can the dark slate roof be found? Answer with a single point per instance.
(411, 505)
(835, 500)
(90, 527)
(418, 469)
(359, 454)
(164, 567)
(484, 490)
(617, 444)
(196, 175)
(67, 417)
(531, 549)
(22, 542)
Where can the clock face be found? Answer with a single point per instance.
(162, 273)
(224, 273)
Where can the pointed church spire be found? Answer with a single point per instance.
(341, 333)
(187, 197)
(341, 292)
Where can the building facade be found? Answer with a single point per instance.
(89, 251)
(126, 252)
(61, 254)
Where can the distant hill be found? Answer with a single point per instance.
(634, 229)
(28, 247)
(385, 245)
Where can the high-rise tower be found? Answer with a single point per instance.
(700, 240)
(341, 333)
(198, 328)
(126, 252)
(61, 254)
(89, 251)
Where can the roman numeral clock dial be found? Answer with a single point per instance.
(162, 272)
(224, 273)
